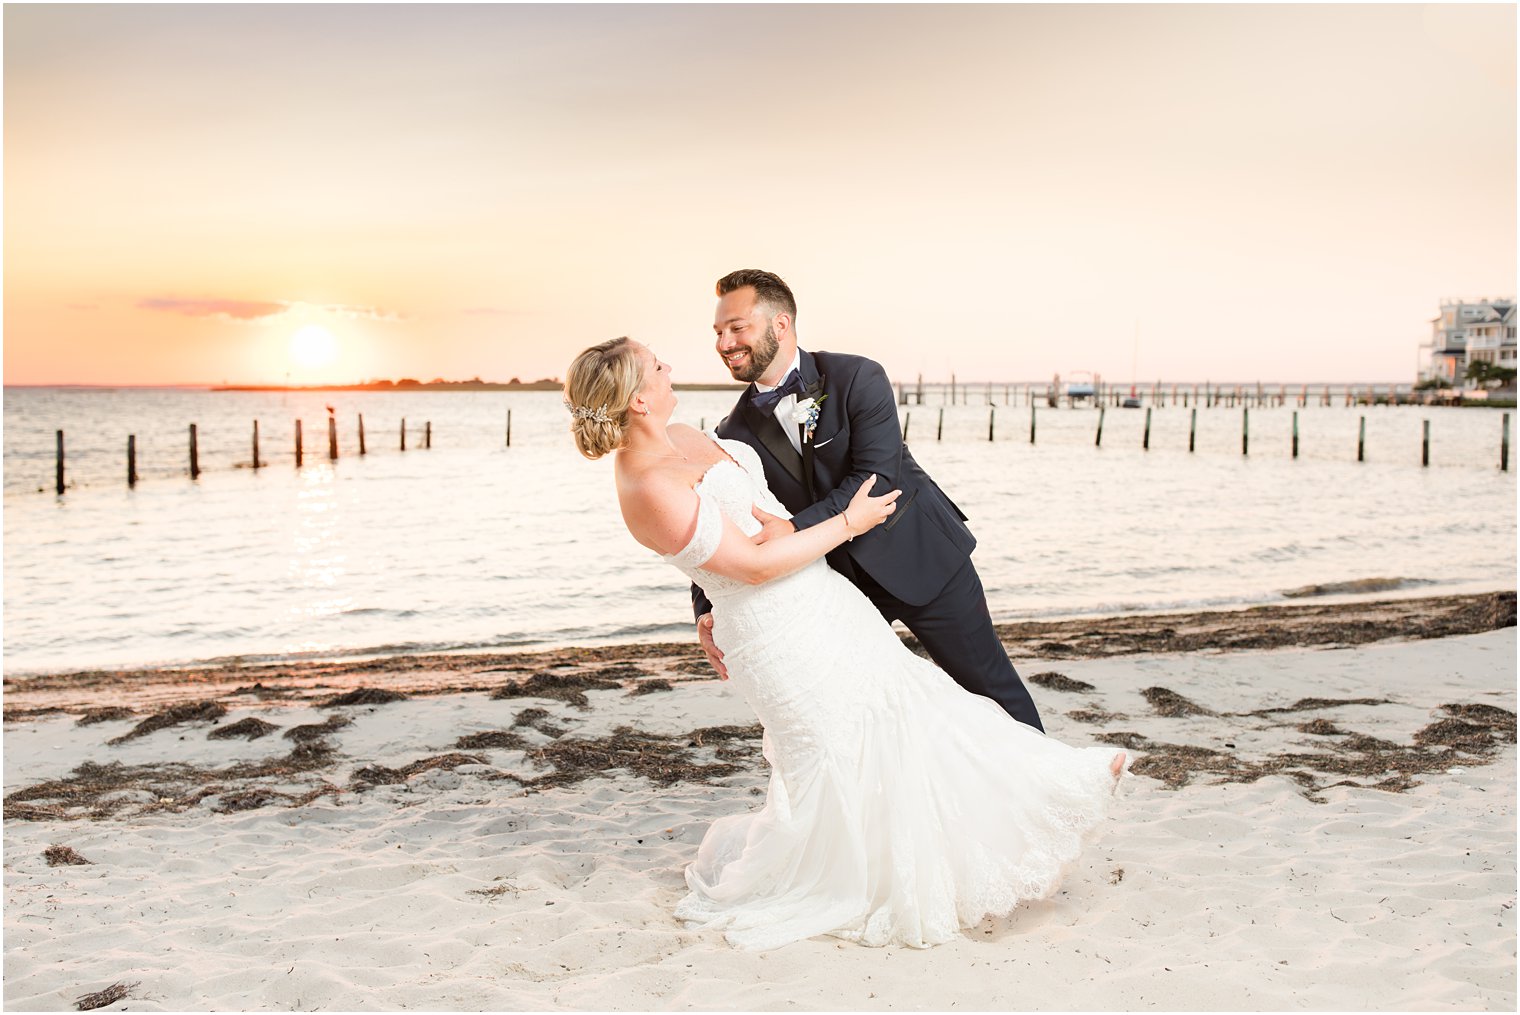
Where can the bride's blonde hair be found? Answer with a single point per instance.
(598, 387)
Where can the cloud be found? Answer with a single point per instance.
(236, 310)
(489, 312)
(355, 313)
(264, 310)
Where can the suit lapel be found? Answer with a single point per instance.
(765, 427)
(807, 368)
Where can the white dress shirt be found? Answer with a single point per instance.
(783, 410)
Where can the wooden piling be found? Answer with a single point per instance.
(131, 460)
(298, 444)
(907, 421)
(195, 455)
(58, 478)
(1098, 443)
(952, 389)
(940, 433)
(403, 433)
(1245, 431)
(361, 430)
(1031, 422)
(1425, 446)
(1295, 433)
(1361, 440)
(509, 427)
(991, 416)
(1193, 430)
(427, 435)
(1504, 446)
(1146, 443)
(256, 462)
(332, 438)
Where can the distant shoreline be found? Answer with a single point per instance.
(546, 385)
(449, 386)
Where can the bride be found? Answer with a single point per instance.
(901, 807)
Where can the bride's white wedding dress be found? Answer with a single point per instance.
(901, 807)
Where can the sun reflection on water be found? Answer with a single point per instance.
(317, 563)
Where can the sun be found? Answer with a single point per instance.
(313, 346)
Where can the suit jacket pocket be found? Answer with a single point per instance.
(902, 506)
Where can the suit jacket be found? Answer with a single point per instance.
(925, 541)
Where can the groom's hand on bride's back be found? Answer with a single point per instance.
(714, 654)
(771, 526)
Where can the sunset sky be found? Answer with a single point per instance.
(1003, 192)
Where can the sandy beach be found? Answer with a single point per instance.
(1322, 816)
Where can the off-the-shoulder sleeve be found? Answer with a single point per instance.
(704, 542)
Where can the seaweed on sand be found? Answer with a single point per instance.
(503, 739)
(101, 998)
(1439, 747)
(569, 687)
(1310, 704)
(110, 713)
(1096, 716)
(307, 732)
(93, 790)
(1500, 720)
(718, 734)
(1060, 682)
(1463, 736)
(364, 696)
(62, 856)
(1173, 705)
(662, 760)
(190, 711)
(651, 685)
(618, 671)
(251, 727)
(380, 775)
(538, 719)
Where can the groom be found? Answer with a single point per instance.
(916, 567)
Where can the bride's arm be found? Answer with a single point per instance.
(663, 517)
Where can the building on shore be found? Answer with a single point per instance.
(1467, 331)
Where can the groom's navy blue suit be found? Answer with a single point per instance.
(916, 566)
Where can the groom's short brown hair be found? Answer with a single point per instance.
(769, 289)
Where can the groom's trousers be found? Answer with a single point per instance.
(956, 630)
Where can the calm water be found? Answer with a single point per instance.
(471, 545)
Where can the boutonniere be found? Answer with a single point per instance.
(806, 416)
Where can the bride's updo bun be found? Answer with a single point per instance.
(600, 384)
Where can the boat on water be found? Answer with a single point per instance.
(1083, 385)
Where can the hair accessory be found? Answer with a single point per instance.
(586, 412)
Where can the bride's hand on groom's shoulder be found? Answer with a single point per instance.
(771, 526)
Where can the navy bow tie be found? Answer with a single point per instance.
(766, 401)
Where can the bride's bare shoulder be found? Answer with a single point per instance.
(659, 507)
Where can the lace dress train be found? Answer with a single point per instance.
(901, 808)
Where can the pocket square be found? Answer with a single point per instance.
(820, 444)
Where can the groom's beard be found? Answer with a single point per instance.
(760, 357)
